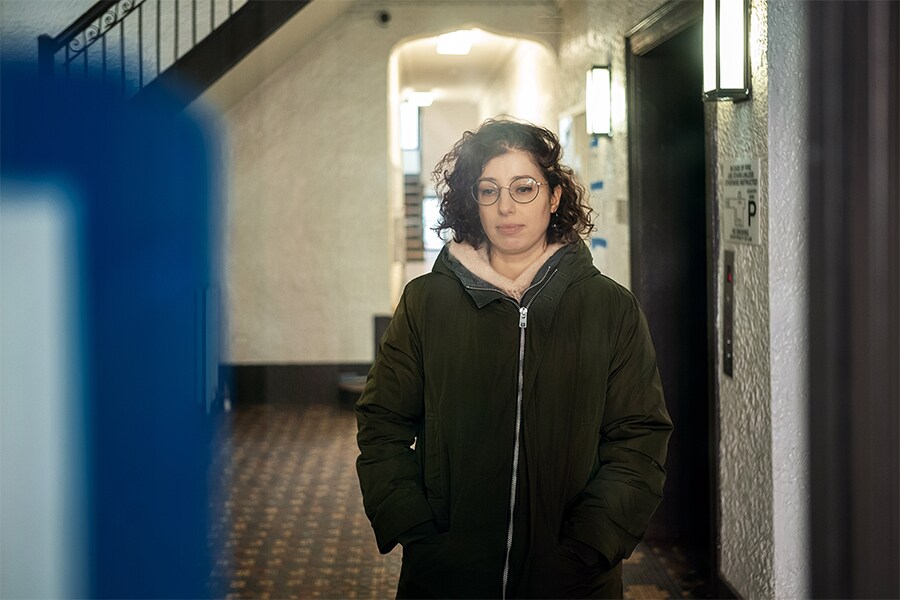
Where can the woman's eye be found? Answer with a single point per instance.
(487, 192)
(525, 189)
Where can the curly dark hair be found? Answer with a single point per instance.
(455, 174)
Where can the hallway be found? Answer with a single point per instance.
(293, 524)
(267, 230)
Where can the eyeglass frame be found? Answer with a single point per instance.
(473, 189)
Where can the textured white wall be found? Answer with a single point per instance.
(309, 255)
(788, 296)
(594, 34)
(22, 21)
(307, 252)
(745, 444)
(525, 87)
(763, 458)
(443, 123)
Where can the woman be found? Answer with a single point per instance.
(512, 429)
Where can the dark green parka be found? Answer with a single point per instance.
(479, 407)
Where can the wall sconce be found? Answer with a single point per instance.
(726, 66)
(598, 101)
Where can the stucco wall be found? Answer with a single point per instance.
(594, 34)
(309, 256)
(22, 21)
(443, 123)
(306, 252)
(788, 297)
(745, 444)
(525, 87)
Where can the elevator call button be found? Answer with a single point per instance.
(728, 316)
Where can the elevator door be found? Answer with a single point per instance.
(669, 269)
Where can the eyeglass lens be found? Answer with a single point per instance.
(522, 190)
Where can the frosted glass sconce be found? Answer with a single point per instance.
(598, 101)
(726, 70)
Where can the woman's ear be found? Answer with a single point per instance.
(555, 197)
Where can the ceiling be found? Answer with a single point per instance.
(454, 78)
(251, 71)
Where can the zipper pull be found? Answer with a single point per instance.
(523, 317)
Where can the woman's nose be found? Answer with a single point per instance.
(505, 204)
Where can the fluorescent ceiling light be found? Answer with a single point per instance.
(420, 98)
(457, 43)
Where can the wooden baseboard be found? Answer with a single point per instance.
(299, 384)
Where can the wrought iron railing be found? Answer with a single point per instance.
(131, 42)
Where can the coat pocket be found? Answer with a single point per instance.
(425, 572)
(565, 575)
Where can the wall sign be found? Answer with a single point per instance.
(740, 211)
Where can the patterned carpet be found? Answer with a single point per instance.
(291, 522)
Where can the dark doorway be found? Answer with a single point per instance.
(670, 250)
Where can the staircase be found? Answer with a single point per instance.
(140, 46)
(412, 202)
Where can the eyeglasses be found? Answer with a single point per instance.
(522, 190)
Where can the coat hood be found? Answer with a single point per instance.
(569, 263)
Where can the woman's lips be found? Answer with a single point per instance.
(510, 229)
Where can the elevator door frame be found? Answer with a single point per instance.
(668, 21)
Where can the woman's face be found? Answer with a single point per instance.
(517, 231)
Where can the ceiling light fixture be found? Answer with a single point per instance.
(458, 43)
(420, 98)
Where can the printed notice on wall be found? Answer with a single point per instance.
(740, 218)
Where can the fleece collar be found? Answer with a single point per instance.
(473, 268)
(478, 262)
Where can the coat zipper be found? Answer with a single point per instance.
(523, 324)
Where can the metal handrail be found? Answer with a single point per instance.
(97, 25)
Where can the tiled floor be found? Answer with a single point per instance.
(292, 523)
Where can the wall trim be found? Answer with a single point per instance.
(664, 23)
(295, 384)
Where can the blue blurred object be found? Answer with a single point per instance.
(139, 178)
